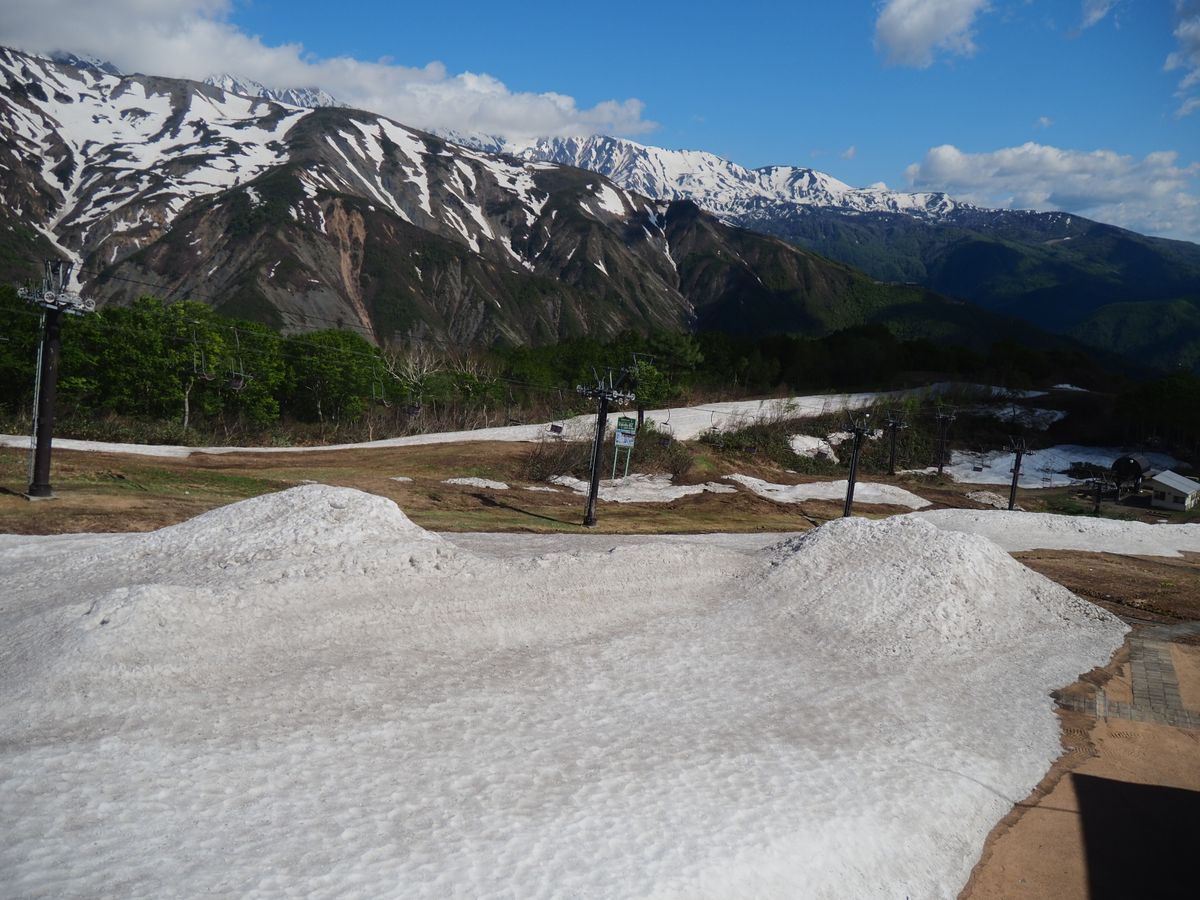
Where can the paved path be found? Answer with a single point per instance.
(1155, 687)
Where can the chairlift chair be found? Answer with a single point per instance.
(238, 379)
(200, 367)
(378, 394)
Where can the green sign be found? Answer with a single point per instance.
(626, 424)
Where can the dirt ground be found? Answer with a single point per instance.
(1102, 824)
(1116, 817)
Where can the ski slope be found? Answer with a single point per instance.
(306, 694)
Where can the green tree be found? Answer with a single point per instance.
(331, 374)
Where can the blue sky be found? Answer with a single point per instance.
(1087, 105)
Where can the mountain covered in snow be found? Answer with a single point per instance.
(305, 218)
(1054, 269)
(310, 97)
(725, 188)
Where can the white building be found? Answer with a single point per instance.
(1173, 491)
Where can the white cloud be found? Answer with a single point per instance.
(910, 31)
(1187, 56)
(850, 152)
(1044, 122)
(1155, 195)
(1094, 11)
(194, 39)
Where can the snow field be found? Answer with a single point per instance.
(1017, 531)
(864, 491)
(1039, 468)
(305, 693)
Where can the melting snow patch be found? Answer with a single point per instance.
(988, 498)
(1039, 468)
(478, 482)
(864, 492)
(639, 488)
(812, 447)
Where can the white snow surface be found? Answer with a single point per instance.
(1039, 468)
(864, 491)
(641, 488)
(478, 482)
(305, 694)
(813, 447)
(1016, 531)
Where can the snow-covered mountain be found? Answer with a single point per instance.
(304, 217)
(1058, 270)
(725, 188)
(309, 98)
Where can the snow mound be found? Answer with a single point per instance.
(864, 492)
(326, 530)
(1016, 531)
(902, 587)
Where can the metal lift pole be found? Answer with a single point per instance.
(48, 356)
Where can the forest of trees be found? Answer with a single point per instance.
(180, 372)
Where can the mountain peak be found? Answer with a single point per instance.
(307, 97)
(725, 188)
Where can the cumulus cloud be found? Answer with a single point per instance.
(1187, 55)
(1044, 122)
(1154, 195)
(1094, 11)
(909, 32)
(195, 39)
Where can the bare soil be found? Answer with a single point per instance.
(1115, 816)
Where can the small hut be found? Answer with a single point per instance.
(1173, 491)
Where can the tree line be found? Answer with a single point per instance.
(209, 376)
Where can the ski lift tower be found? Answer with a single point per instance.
(55, 300)
(605, 392)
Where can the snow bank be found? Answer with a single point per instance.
(1016, 531)
(903, 587)
(305, 694)
(639, 488)
(864, 492)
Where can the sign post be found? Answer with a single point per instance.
(624, 440)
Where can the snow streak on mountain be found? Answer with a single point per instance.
(723, 187)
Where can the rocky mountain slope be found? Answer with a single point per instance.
(1054, 269)
(310, 217)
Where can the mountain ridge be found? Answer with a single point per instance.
(301, 217)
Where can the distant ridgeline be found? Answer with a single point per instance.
(305, 219)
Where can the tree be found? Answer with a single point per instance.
(331, 374)
(651, 387)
